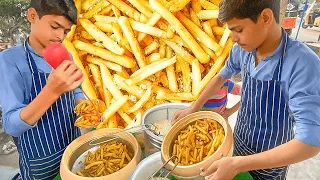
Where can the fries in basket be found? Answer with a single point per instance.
(198, 142)
(136, 54)
(109, 158)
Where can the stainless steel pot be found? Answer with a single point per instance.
(158, 113)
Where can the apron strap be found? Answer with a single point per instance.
(278, 69)
(32, 65)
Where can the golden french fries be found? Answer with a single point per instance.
(146, 52)
(107, 159)
(198, 141)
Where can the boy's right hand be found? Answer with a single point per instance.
(64, 78)
(182, 113)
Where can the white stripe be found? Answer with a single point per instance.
(48, 157)
(244, 109)
(279, 106)
(47, 172)
(272, 120)
(48, 162)
(55, 126)
(59, 122)
(258, 137)
(24, 160)
(246, 136)
(35, 143)
(284, 125)
(37, 127)
(25, 144)
(256, 116)
(69, 117)
(64, 120)
(48, 166)
(266, 116)
(28, 132)
(41, 120)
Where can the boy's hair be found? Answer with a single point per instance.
(64, 8)
(251, 9)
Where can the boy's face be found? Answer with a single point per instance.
(248, 34)
(48, 28)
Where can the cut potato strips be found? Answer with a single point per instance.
(128, 32)
(110, 65)
(133, 89)
(101, 37)
(200, 35)
(146, 96)
(104, 54)
(128, 47)
(97, 8)
(114, 107)
(214, 69)
(106, 19)
(162, 95)
(196, 75)
(147, 71)
(87, 86)
(126, 9)
(208, 14)
(208, 5)
(181, 30)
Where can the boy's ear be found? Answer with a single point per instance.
(267, 16)
(32, 15)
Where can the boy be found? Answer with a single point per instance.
(281, 88)
(218, 102)
(37, 101)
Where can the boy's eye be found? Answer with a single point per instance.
(239, 31)
(53, 27)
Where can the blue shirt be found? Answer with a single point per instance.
(16, 84)
(300, 77)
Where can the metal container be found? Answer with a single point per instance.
(147, 167)
(152, 142)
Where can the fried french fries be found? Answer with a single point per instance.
(107, 159)
(181, 30)
(126, 48)
(198, 141)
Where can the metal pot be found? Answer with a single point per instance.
(156, 114)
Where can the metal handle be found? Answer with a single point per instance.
(134, 129)
(169, 171)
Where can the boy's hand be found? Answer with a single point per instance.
(225, 168)
(182, 113)
(226, 113)
(64, 78)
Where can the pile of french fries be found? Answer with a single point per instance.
(139, 53)
(198, 142)
(109, 158)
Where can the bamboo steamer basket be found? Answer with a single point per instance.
(193, 171)
(77, 150)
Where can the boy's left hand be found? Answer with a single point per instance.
(223, 169)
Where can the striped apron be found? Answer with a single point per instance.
(41, 147)
(264, 120)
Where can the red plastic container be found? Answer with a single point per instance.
(55, 54)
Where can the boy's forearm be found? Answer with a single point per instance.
(291, 152)
(32, 113)
(235, 107)
(214, 85)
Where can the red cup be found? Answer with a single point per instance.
(55, 54)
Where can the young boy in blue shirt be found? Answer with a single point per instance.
(38, 101)
(280, 90)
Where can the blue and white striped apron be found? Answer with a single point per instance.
(41, 147)
(264, 121)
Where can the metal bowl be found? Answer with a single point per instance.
(193, 171)
(156, 114)
(79, 148)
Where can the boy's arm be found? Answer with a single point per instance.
(60, 80)
(304, 105)
(229, 111)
